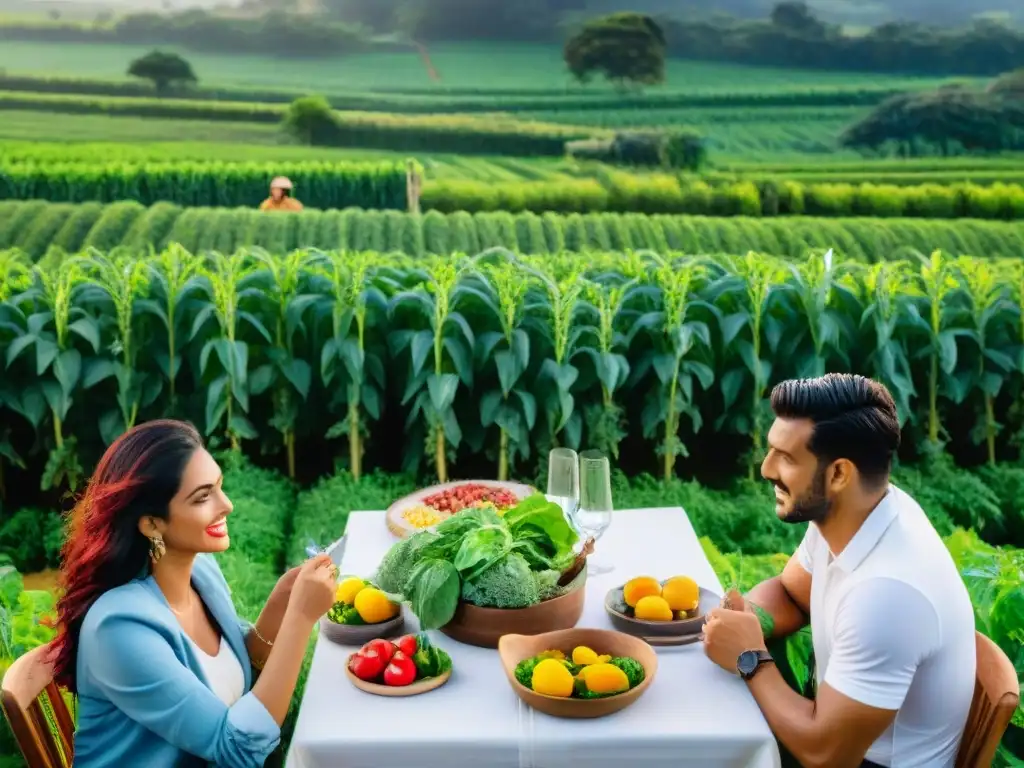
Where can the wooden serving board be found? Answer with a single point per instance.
(420, 686)
(401, 528)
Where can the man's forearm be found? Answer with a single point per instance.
(790, 716)
(787, 616)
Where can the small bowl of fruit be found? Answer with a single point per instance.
(406, 667)
(361, 612)
(578, 673)
(669, 612)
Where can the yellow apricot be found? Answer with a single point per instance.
(639, 588)
(605, 678)
(373, 606)
(653, 608)
(551, 678)
(681, 593)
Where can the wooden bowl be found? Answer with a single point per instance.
(484, 627)
(420, 686)
(679, 632)
(512, 649)
(360, 634)
(398, 525)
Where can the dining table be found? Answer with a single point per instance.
(694, 713)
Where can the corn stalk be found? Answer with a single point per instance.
(449, 340)
(352, 294)
(15, 278)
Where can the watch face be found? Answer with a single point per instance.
(747, 662)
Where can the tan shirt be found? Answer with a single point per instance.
(284, 204)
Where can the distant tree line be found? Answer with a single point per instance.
(792, 36)
(276, 33)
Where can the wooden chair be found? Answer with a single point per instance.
(37, 712)
(996, 695)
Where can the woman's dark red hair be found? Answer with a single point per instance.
(137, 477)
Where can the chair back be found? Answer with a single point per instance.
(996, 695)
(37, 712)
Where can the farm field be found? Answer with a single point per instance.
(480, 67)
(153, 203)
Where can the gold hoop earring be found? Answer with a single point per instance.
(156, 547)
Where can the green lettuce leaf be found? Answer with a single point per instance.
(433, 590)
(482, 548)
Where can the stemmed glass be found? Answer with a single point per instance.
(564, 481)
(594, 513)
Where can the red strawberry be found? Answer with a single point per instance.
(401, 670)
(407, 645)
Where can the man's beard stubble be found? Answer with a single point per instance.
(814, 506)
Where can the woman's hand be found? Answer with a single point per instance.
(313, 593)
(284, 586)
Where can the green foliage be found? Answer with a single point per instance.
(318, 184)
(947, 120)
(627, 48)
(166, 70)
(32, 539)
(200, 229)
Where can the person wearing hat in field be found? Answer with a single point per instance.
(281, 197)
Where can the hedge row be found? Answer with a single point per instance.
(462, 134)
(318, 185)
(660, 193)
(440, 101)
(36, 226)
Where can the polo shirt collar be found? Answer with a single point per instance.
(870, 533)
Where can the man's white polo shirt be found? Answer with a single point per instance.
(893, 628)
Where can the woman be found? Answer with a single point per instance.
(149, 639)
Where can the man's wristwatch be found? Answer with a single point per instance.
(750, 661)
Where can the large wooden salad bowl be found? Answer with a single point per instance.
(484, 627)
(512, 649)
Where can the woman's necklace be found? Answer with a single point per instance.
(186, 611)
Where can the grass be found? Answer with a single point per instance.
(487, 67)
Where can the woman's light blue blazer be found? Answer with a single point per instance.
(143, 699)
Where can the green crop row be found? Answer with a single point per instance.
(464, 134)
(319, 185)
(441, 101)
(36, 227)
(486, 361)
(661, 193)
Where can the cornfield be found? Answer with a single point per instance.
(498, 355)
(39, 228)
(318, 185)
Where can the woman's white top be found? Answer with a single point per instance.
(223, 672)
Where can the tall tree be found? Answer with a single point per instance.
(166, 70)
(627, 48)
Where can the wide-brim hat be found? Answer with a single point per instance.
(281, 182)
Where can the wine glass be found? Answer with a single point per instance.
(564, 481)
(594, 513)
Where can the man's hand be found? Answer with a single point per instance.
(728, 633)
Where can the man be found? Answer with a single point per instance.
(281, 197)
(891, 621)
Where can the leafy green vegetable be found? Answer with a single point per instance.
(430, 660)
(547, 584)
(397, 565)
(634, 669)
(345, 614)
(524, 671)
(536, 516)
(509, 583)
(481, 549)
(433, 590)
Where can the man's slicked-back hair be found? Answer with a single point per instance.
(854, 418)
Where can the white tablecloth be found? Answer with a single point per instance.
(694, 714)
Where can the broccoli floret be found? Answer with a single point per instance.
(547, 584)
(524, 671)
(634, 669)
(393, 571)
(506, 584)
